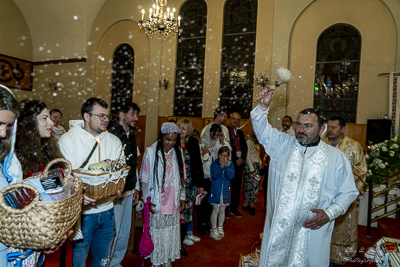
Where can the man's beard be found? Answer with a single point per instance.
(305, 139)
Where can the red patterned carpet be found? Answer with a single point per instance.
(240, 234)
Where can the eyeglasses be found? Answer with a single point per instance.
(102, 117)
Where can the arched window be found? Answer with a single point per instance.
(337, 72)
(122, 75)
(190, 59)
(238, 53)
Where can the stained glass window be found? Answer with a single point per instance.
(238, 53)
(190, 59)
(337, 72)
(122, 75)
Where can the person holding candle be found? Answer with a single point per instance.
(97, 222)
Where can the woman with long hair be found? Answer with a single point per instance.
(35, 146)
(193, 183)
(10, 168)
(162, 175)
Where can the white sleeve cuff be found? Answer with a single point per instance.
(334, 211)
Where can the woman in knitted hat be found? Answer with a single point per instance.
(162, 175)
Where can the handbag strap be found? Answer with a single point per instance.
(88, 158)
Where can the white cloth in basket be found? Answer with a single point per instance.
(94, 180)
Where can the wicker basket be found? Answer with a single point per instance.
(40, 225)
(104, 184)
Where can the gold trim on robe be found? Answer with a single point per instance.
(344, 244)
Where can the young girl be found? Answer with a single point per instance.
(162, 176)
(211, 141)
(222, 171)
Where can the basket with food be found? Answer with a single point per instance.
(104, 179)
(38, 213)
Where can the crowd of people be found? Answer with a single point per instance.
(310, 183)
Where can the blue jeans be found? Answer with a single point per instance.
(123, 220)
(190, 229)
(98, 232)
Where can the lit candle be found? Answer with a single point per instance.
(98, 144)
(179, 21)
(142, 14)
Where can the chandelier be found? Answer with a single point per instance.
(160, 21)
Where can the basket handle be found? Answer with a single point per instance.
(51, 163)
(12, 187)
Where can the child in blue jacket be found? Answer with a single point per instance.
(222, 171)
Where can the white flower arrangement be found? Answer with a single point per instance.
(383, 159)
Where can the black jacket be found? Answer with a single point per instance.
(243, 146)
(131, 149)
(196, 165)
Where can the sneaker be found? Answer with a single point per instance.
(252, 211)
(214, 235)
(188, 242)
(193, 238)
(236, 214)
(245, 207)
(221, 232)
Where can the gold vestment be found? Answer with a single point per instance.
(344, 245)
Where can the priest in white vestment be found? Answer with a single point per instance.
(310, 184)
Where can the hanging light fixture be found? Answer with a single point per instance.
(161, 21)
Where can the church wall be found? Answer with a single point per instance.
(378, 53)
(287, 36)
(14, 32)
(121, 32)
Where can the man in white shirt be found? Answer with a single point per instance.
(97, 221)
(287, 125)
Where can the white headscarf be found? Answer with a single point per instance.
(206, 138)
(11, 167)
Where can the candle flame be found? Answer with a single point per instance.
(98, 141)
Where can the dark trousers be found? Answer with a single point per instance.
(236, 184)
(203, 210)
(184, 227)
